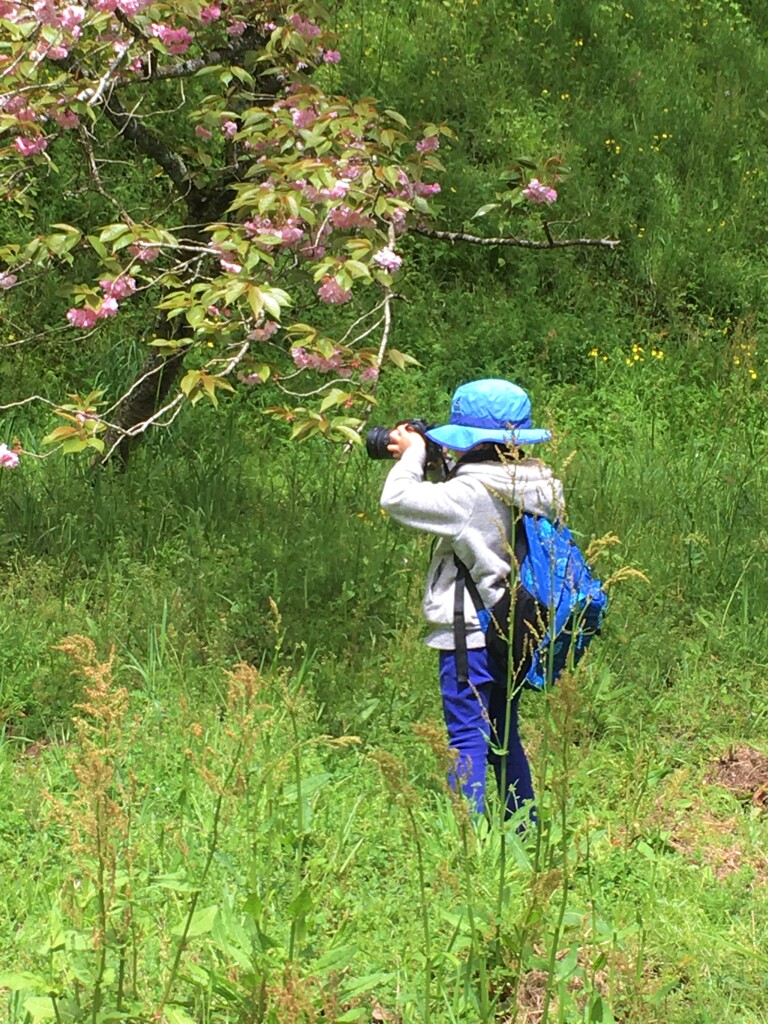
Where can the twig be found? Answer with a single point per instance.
(519, 243)
(26, 401)
(86, 142)
(105, 78)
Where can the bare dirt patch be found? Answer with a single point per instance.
(744, 772)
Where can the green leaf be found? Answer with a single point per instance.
(359, 986)
(61, 433)
(202, 923)
(397, 117)
(401, 359)
(356, 1013)
(98, 247)
(255, 299)
(40, 1008)
(195, 316)
(113, 231)
(76, 444)
(189, 382)
(271, 304)
(306, 428)
(356, 268)
(334, 397)
(175, 1015)
(485, 209)
(175, 883)
(18, 981)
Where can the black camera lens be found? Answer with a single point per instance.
(376, 441)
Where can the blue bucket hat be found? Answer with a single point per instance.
(488, 412)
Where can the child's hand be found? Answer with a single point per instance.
(403, 437)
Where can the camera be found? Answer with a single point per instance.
(377, 439)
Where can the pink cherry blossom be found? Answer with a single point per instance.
(230, 266)
(236, 28)
(9, 459)
(71, 17)
(144, 251)
(250, 378)
(388, 259)
(344, 217)
(67, 118)
(229, 128)
(331, 56)
(538, 193)
(301, 357)
(265, 332)
(304, 27)
(337, 191)
(331, 291)
(132, 7)
(119, 288)
(202, 132)
(175, 40)
(46, 14)
(107, 309)
(428, 144)
(30, 147)
(85, 317)
(210, 13)
(422, 188)
(7, 280)
(303, 117)
(369, 373)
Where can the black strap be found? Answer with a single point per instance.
(463, 579)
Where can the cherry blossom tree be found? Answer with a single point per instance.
(259, 199)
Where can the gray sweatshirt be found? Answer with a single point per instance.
(471, 515)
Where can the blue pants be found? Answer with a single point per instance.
(476, 719)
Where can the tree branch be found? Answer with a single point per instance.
(251, 39)
(151, 145)
(519, 243)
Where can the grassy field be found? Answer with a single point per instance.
(222, 756)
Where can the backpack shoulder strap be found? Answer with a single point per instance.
(463, 580)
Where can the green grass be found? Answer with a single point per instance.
(346, 883)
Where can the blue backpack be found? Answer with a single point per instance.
(558, 607)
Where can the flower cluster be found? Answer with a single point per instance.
(210, 13)
(314, 361)
(9, 459)
(30, 146)
(290, 232)
(411, 189)
(388, 259)
(336, 191)
(145, 252)
(114, 289)
(538, 193)
(331, 291)
(428, 144)
(343, 217)
(265, 332)
(304, 27)
(175, 40)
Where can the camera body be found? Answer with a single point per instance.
(377, 439)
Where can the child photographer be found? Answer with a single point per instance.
(471, 513)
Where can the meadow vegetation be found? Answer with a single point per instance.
(221, 756)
